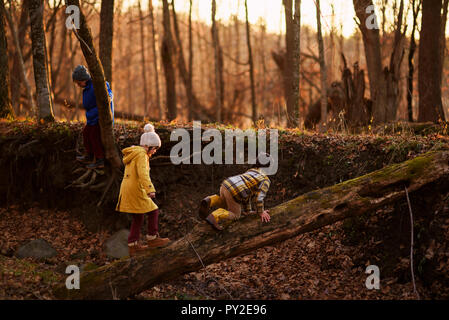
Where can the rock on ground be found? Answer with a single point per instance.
(38, 249)
(117, 245)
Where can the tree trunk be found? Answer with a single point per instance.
(167, 51)
(144, 63)
(251, 66)
(190, 82)
(40, 67)
(16, 71)
(322, 70)
(195, 108)
(384, 82)
(6, 110)
(443, 38)
(303, 214)
(131, 107)
(393, 73)
(101, 92)
(154, 45)
(354, 92)
(411, 65)
(371, 41)
(106, 37)
(430, 103)
(292, 61)
(218, 57)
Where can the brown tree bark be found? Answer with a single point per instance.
(131, 107)
(106, 37)
(392, 74)
(303, 214)
(429, 83)
(144, 61)
(154, 47)
(443, 37)
(411, 65)
(251, 66)
(323, 71)
(101, 93)
(218, 58)
(354, 91)
(195, 108)
(40, 66)
(6, 110)
(384, 82)
(16, 71)
(292, 61)
(190, 82)
(371, 41)
(167, 52)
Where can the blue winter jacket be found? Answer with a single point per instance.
(90, 103)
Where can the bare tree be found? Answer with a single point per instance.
(144, 61)
(218, 56)
(167, 52)
(41, 77)
(190, 55)
(411, 65)
(322, 69)
(443, 37)
(251, 65)
(106, 37)
(16, 72)
(292, 67)
(154, 45)
(429, 80)
(6, 110)
(384, 82)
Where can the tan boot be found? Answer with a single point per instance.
(135, 248)
(156, 241)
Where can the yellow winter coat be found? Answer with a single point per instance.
(136, 182)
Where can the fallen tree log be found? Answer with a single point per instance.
(305, 213)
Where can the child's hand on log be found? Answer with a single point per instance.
(152, 195)
(265, 216)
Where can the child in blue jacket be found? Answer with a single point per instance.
(91, 132)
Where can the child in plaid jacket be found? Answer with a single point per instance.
(237, 193)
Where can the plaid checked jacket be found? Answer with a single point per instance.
(251, 185)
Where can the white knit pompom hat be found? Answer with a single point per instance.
(150, 138)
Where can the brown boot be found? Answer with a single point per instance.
(135, 248)
(156, 241)
(204, 208)
(213, 222)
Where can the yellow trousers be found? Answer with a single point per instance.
(228, 208)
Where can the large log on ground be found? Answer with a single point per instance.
(308, 212)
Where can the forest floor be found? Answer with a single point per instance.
(316, 265)
(328, 263)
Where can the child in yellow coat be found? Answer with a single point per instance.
(137, 192)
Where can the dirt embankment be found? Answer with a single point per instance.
(37, 163)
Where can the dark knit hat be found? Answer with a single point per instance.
(80, 74)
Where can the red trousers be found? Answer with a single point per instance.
(136, 225)
(92, 141)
